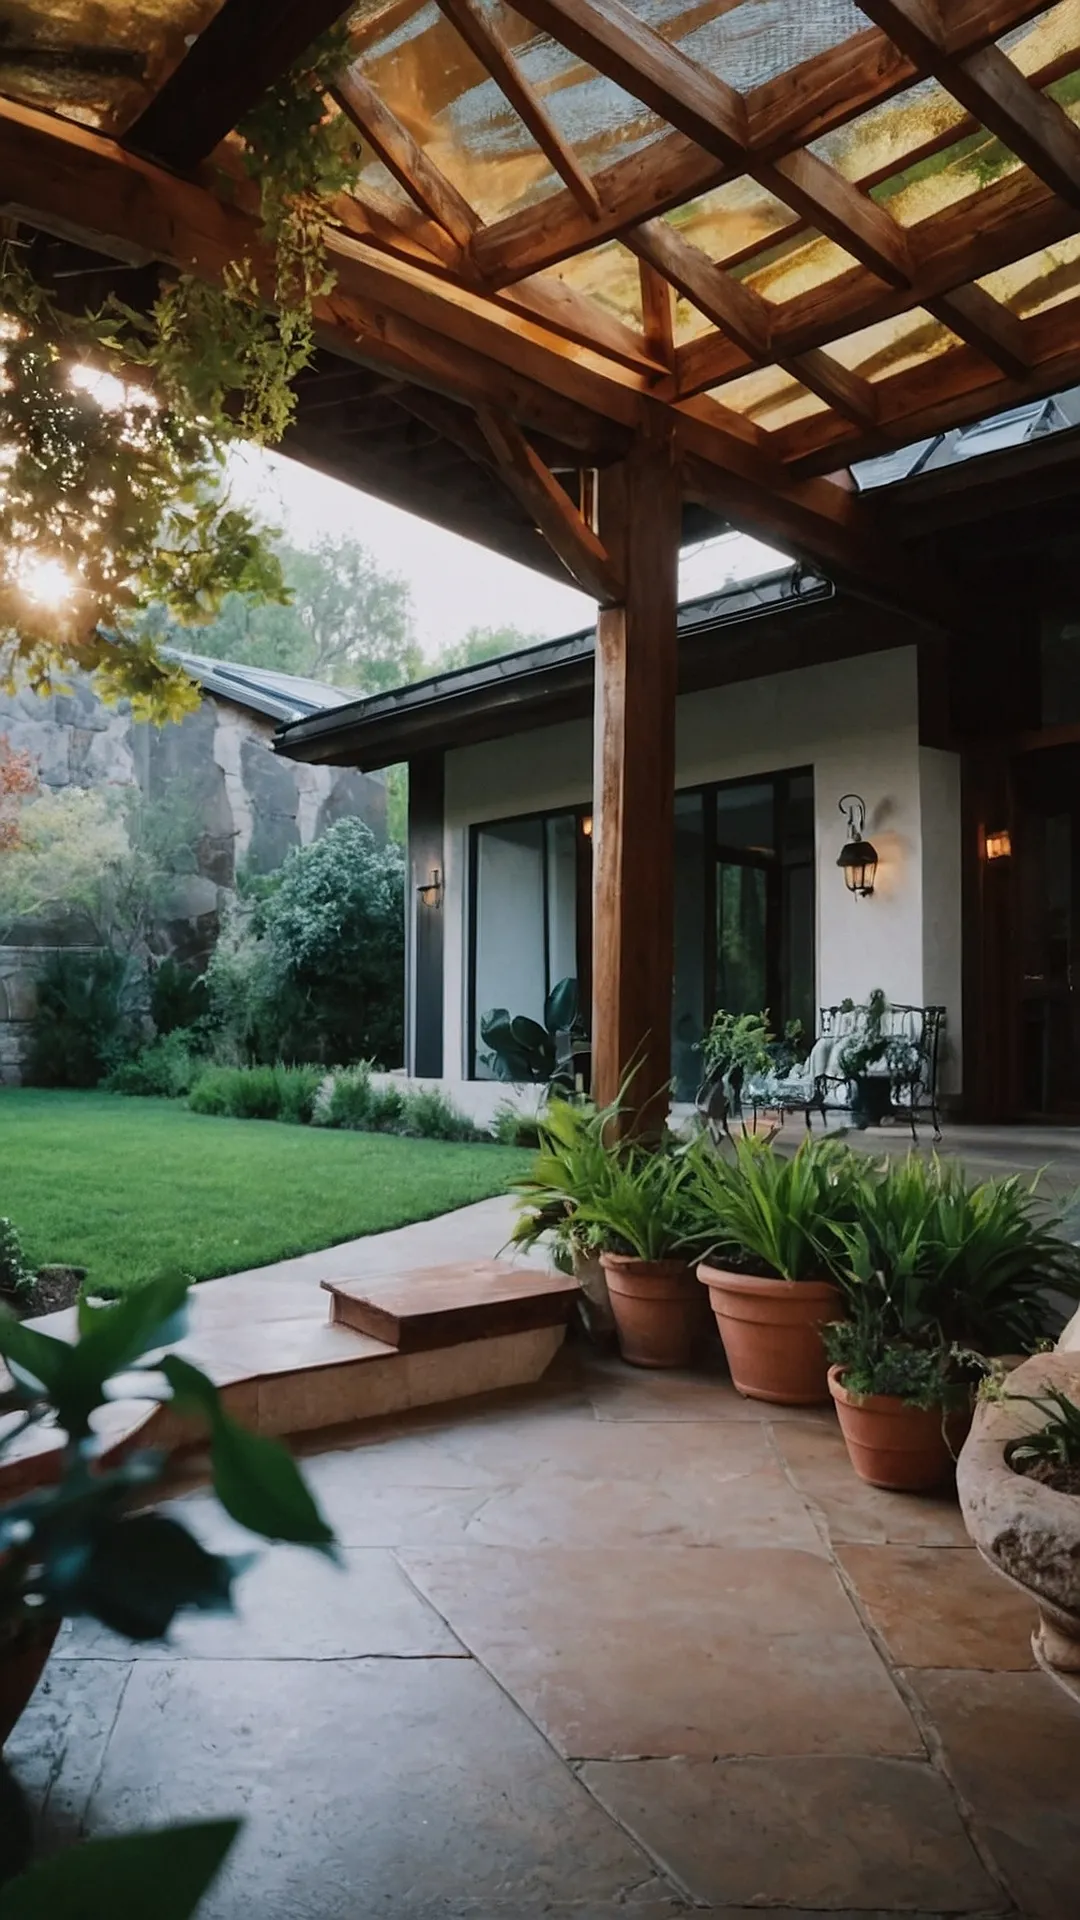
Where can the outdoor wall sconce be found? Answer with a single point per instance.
(432, 892)
(586, 825)
(999, 844)
(858, 859)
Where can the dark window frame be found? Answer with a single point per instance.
(712, 849)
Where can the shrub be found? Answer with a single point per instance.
(349, 1103)
(15, 1276)
(311, 968)
(167, 1069)
(512, 1128)
(386, 1110)
(89, 1006)
(431, 1115)
(177, 996)
(257, 1093)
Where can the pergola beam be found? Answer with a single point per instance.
(563, 526)
(239, 54)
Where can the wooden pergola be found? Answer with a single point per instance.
(605, 258)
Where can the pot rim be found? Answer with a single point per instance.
(876, 1402)
(632, 1262)
(727, 1281)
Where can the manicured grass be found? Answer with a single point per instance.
(128, 1187)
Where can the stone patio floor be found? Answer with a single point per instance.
(622, 1645)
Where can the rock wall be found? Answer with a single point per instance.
(251, 807)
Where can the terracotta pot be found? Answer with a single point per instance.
(595, 1304)
(891, 1444)
(771, 1330)
(22, 1660)
(657, 1309)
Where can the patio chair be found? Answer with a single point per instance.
(820, 1084)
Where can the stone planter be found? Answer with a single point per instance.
(771, 1330)
(1028, 1532)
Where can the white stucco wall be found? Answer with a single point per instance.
(855, 724)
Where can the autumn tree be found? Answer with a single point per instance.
(18, 780)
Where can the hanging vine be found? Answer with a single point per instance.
(115, 424)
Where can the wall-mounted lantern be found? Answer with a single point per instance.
(431, 893)
(998, 844)
(586, 825)
(858, 859)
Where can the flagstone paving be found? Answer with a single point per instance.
(618, 1647)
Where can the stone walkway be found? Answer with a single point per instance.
(622, 1645)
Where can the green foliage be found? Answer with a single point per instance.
(177, 995)
(86, 1017)
(596, 1191)
(349, 1102)
(738, 1040)
(313, 969)
(431, 1115)
(167, 1069)
(346, 621)
(87, 1545)
(128, 1876)
(257, 1093)
(974, 1260)
(777, 1213)
(15, 1276)
(522, 1051)
(117, 489)
(480, 644)
(513, 1128)
(874, 1363)
(1056, 1443)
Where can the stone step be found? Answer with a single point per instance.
(426, 1308)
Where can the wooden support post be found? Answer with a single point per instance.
(634, 780)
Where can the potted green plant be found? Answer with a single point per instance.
(768, 1221)
(522, 1051)
(942, 1276)
(89, 1544)
(573, 1165)
(640, 1219)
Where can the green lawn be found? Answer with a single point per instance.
(127, 1187)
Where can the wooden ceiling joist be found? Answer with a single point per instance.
(481, 30)
(657, 315)
(403, 156)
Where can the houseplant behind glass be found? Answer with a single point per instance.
(769, 1221)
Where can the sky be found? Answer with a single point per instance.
(454, 583)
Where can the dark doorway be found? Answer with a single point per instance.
(1047, 931)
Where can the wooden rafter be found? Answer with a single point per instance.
(563, 526)
(985, 324)
(405, 157)
(239, 54)
(482, 31)
(657, 317)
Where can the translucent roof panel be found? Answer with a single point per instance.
(881, 141)
(797, 266)
(609, 275)
(894, 346)
(769, 397)
(98, 61)
(1042, 280)
(690, 323)
(733, 220)
(751, 43)
(435, 85)
(1045, 41)
(958, 172)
